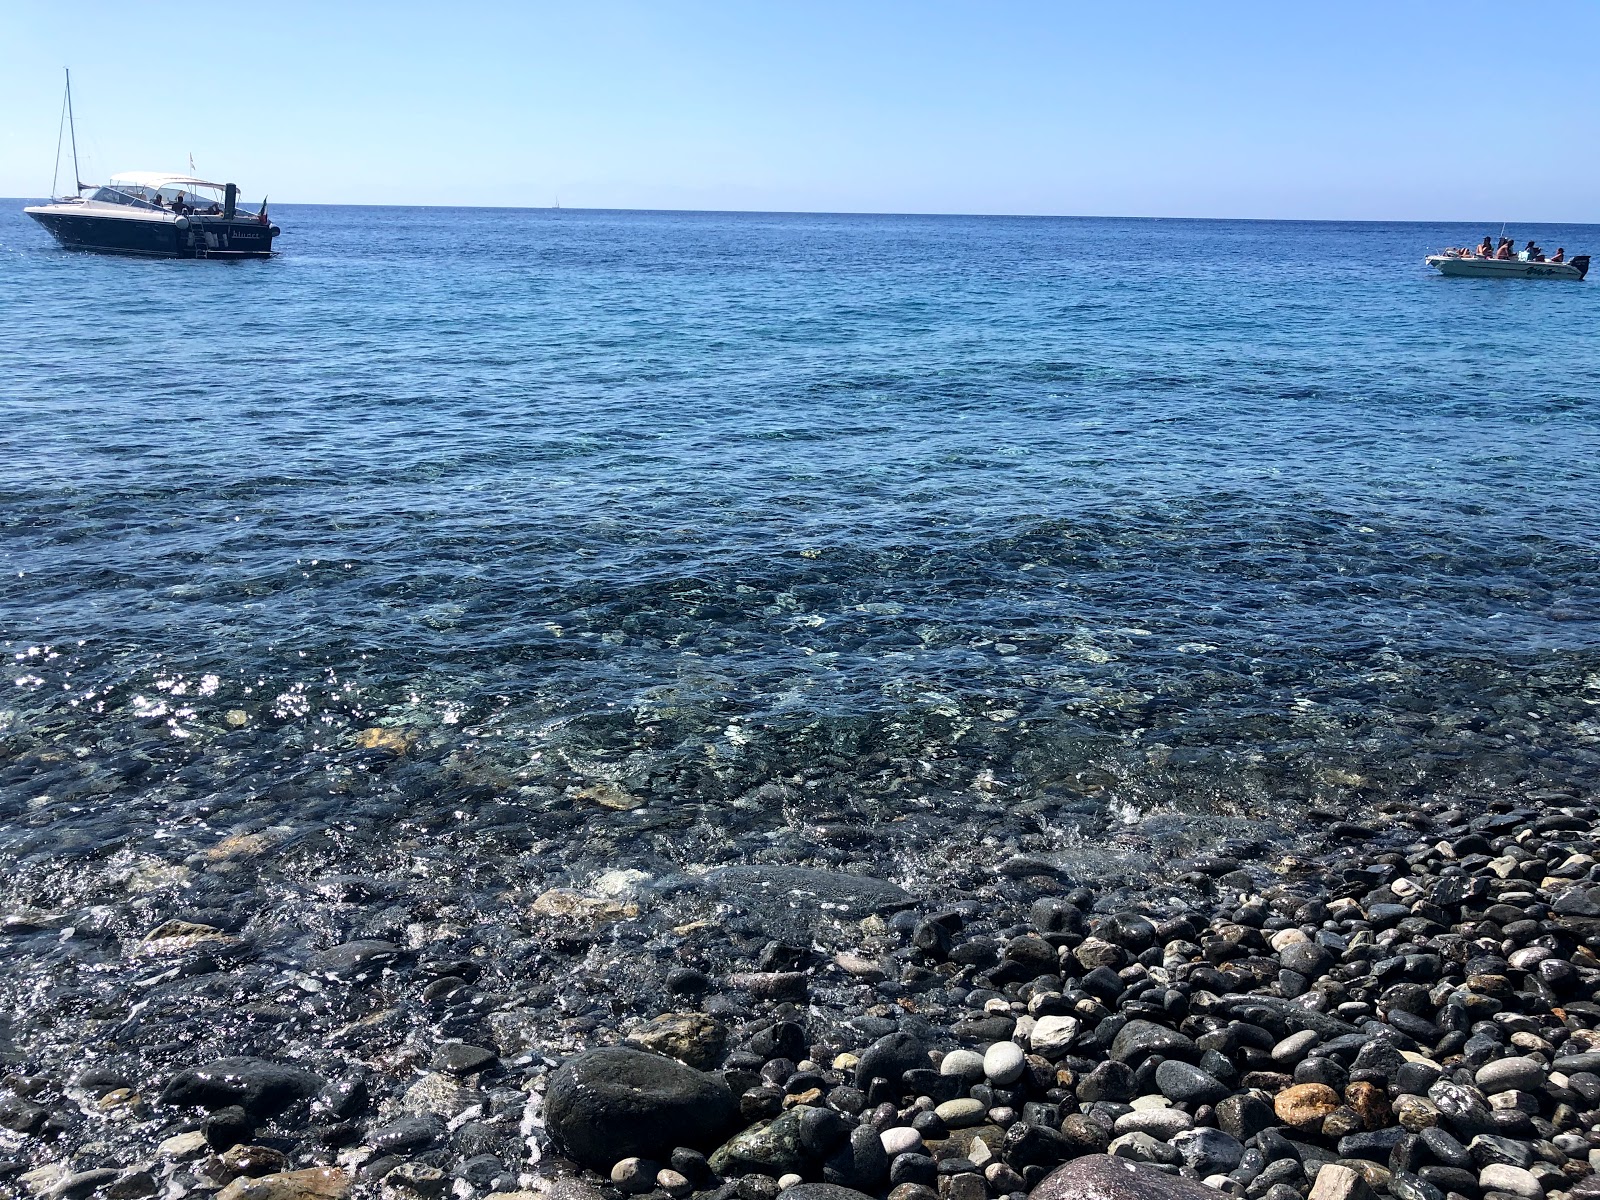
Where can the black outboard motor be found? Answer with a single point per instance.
(230, 197)
(1581, 261)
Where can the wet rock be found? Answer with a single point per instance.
(1183, 1082)
(254, 1160)
(860, 1163)
(1101, 1177)
(407, 1134)
(771, 985)
(616, 1102)
(1487, 1148)
(674, 1183)
(441, 1094)
(21, 1115)
(1139, 1039)
(821, 1131)
(174, 939)
(183, 1147)
(1375, 1144)
(773, 1148)
(459, 1058)
(890, 1057)
(317, 1183)
(415, 1181)
(1108, 1081)
(227, 1126)
(1463, 1108)
(1208, 1151)
(1084, 1135)
(1244, 1116)
(566, 908)
(1287, 1013)
(78, 1184)
(1027, 1146)
(696, 1039)
(260, 1086)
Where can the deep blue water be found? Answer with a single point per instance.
(892, 512)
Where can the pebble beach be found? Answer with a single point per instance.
(1405, 1006)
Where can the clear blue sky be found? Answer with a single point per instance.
(1391, 110)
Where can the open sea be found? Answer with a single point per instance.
(589, 540)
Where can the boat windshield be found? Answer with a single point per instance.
(128, 196)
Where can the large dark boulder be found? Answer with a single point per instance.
(615, 1102)
(261, 1087)
(1101, 1177)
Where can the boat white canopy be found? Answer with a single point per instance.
(156, 181)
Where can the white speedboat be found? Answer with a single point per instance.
(1508, 268)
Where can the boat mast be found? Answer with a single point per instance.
(77, 180)
(61, 134)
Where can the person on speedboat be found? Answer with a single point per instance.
(1560, 256)
(1503, 250)
(1532, 253)
(1485, 250)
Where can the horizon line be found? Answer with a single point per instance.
(820, 212)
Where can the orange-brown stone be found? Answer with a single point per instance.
(1305, 1104)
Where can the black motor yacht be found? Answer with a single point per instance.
(165, 216)
(168, 216)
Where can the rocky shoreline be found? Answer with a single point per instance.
(1406, 1005)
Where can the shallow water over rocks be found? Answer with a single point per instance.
(522, 628)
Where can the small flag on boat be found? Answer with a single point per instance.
(191, 162)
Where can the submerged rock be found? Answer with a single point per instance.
(693, 1038)
(847, 895)
(317, 1183)
(260, 1086)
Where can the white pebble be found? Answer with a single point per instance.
(902, 1139)
(1003, 1063)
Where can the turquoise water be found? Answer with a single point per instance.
(775, 522)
